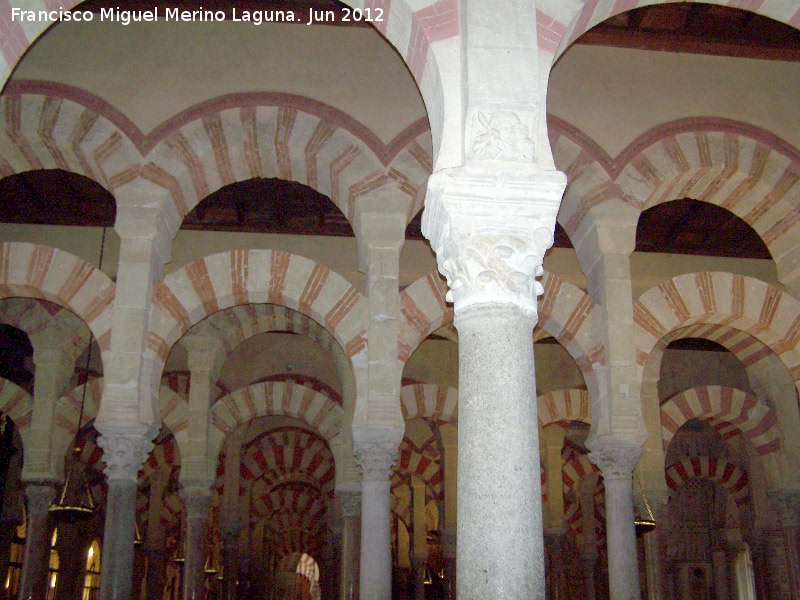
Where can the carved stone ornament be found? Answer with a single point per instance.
(350, 502)
(490, 227)
(124, 455)
(492, 266)
(503, 137)
(376, 459)
(39, 497)
(197, 500)
(787, 505)
(618, 462)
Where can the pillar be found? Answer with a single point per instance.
(553, 444)
(378, 425)
(490, 224)
(448, 435)
(787, 505)
(155, 540)
(196, 500)
(36, 557)
(604, 241)
(376, 459)
(420, 540)
(124, 456)
(72, 544)
(350, 503)
(654, 555)
(623, 567)
(230, 558)
(128, 416)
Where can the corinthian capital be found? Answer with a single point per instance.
(124, 455)
(616, 462)
(376, 450)
(490, 225)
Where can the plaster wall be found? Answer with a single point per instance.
(351, 68)
(616, 94)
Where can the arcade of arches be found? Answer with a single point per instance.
(433, 307)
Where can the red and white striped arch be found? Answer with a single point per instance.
(564, 406)
(236, 324)
(280, 454)
(16, 403)
(412, 28)
(35, 271)
(220, 281)
(41, 129)
(576, 469)
(276, 398)
(719, 470)
(294, 139)
(174, 411)
(65, 421)
(736, 301)
(742, 345)
(34, 316)
(216, 143)
(729, 411)
(734, 165)
(165, 456)
(564, 313)
(429, 401)
(566, 28)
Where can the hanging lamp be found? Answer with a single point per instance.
(137, 535)
(76, 501)
(210, 568)
(647, 523)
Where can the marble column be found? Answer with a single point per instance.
(588, 562)
(124, 456)
(448, 438)
(787, 505)
(127, 418)
(155, 538)
(623, 567)
(72, 545)
(376, 459)
(33, 580)
(380, 221)
(196, 500)
(654, 555)
(230, 558)
(490, 225)
(420, 539)
(350, 503)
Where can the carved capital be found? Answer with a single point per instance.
(616, 462)
(230, 533)
(376, 451)
(376, 460)
(197, 500)
(124, 455)
(38, 498)
(787, 505)
(490, 226)
(350, 502)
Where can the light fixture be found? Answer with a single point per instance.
(76, 501)
(647, 523)
(210, 568)
(137, 535)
